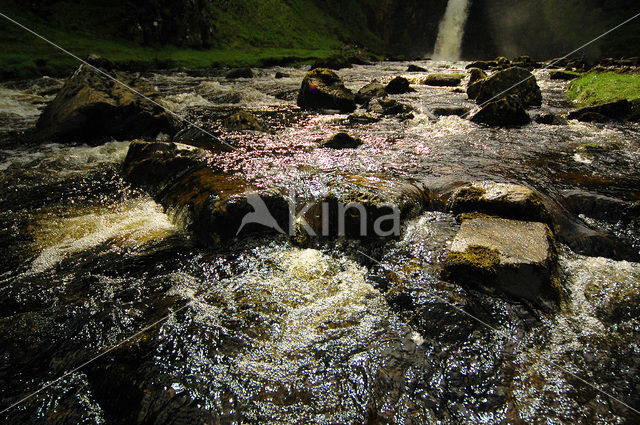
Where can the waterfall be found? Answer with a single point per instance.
(451, 30)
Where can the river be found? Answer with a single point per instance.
(264, 331)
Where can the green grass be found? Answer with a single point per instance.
(293, 31)
(597, 88)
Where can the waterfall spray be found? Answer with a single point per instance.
(449, 41)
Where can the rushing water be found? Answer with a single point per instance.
(266, 332)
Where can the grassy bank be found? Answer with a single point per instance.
(596, 88)
(245, 35)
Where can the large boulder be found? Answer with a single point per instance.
(517, 258)
(609, 111)
(323, 89)
(515, 81)
(506, 112)
(92, 108)
(475, 75)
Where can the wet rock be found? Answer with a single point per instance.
(371, 91)
(193, 136)
(517, 82)
(342, 141)
(442, 80)
(500, 199)
(335, 62)
(364, 118)
(517, 258)
(240, 73)
(100, 62)
(483, 65)
(507, 111)
(243, 121)
(415, 68)
(214, 204)
(281, 75)
(323, 89)
(549, 119)
(475, 75)
(609, 111)
(388, 107)
(399, 85)
(92, 108)
(446, 111)
(563, 75)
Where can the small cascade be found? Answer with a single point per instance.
(449, 41)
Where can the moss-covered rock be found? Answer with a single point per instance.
(475, 75)
(399, 85)
(516, 258)
(609, 111)
(372, 90)
(323, 89)
(243, 121)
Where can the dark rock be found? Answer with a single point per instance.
(243, 121)
(549, 119)
(92, 108)
(601, 113)
(513, 81)
(446, 111)
(416, 68)
(194, 136)
(442, 80)
(483, 65)
(399, 85)
(342, 141)
(507, 111)
(383, 106)
(476, 74)
(323, 89)
(240, 73)
(563, 75)
(370, 91)
(280, 75)
(100, 62)
(517, 258)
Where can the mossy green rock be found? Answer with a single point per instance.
(516, 258)
(323, 89)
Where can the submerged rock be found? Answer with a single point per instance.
(415, 68)
(240, 73)
(442, 80)
(517, 258)
(383, 106)
(550, 119)
(507, 111)
(91, 108)
(446, 111)
(342, 141)
(364, 118)
(618, 110)
(399, 85)
(371, 91)
(323, 89)
(517, 82)
(243, 121)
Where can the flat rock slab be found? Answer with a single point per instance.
(514, 257)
